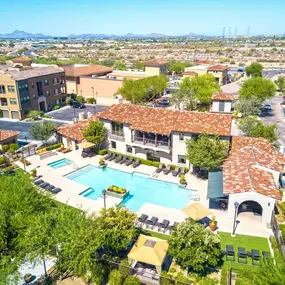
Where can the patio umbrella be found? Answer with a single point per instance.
(196, 211)
(85, 145)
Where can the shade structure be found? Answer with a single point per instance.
(149, 250)
(196, 211)
(86, 145)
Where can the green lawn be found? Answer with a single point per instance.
(248, 242)
(155, 234)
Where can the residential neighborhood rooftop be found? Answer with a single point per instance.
(155, 62)
(223, 97)
(161, 121)
(217, 67)
(74, 70)
(4, 134)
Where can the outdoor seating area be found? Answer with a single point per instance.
(167, 169)
(243, 255)
(122, 159)
(46, 186)
(154, 223)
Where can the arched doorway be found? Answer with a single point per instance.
(250, 209)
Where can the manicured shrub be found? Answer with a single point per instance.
(132, 280)
(117, 189)
(35, 114)
(282, 229)
(224, 277)
(99, 273)
(124, 268)
(208, 281)
(91, 100)
(68, 100)
(102, 151)
(80, 99)
(56, 108)
(54, 146)
(13, 147)
(5, 147)
(115, 278)
(2, 159)
(274, 242)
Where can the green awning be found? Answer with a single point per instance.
(215, 185)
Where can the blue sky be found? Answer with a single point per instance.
(172, 17)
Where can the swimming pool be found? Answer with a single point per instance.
(143, 189)
(60, 163)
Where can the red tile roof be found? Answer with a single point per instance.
(190, 73)
(155, 62)
(76, 71)
(7, 134)
(204, 62)
(218, 67)
(22, 59)
(223, 97)
(162, 121)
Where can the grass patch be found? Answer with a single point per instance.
(248, 242)
(155, 234)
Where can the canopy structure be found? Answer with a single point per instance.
(197, 211)
(85, 145)
(149, 250)
(215, 185)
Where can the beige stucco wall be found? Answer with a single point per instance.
(71, 86)
(152, 71)
(105, 88)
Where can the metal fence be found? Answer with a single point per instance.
(278, 235)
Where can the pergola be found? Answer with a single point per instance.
(149, 250)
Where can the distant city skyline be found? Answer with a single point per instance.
(207, 17)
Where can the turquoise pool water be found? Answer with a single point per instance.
(60, 163)
(143, 189)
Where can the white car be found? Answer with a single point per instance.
(268, 107)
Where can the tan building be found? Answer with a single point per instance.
(24, 88)
(155, 67)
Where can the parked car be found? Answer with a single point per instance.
(163, 102)
(268, 107)
(76, 104)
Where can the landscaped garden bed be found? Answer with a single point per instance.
(117, 192)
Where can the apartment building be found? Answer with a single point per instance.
(25, 88)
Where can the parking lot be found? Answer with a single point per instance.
(68, 113)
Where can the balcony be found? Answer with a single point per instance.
(156, 143)
(119, 136)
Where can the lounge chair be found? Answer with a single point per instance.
(136, 163)
(172, 227)
(242, 255)
(182, 171)
(84, 154)
(123, 160)
(56, 190)
(255, 257)
(119, 158)
(160, 168)
(108, 156)
(112, 157)
(142, 219)
(38, 182)
(50, 188)
(44, 185)
(163, 226)
(151, 223)
(175, 172)
(167, 169)
(129, 161)
(230, 253)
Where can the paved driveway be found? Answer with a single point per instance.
(68, 113)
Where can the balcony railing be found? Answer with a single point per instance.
(151, 142)
(117, 136)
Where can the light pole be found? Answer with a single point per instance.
(104, 197)
(236, 204)
(93, 91)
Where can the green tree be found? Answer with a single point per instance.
(116, 226)
(95, 133)
(193, 245)
(280, 82)
(68, 100)
(132, 280)
(120, 65)
(253, 127)
(99, 272)
(107, 62)
(80, 99)
(175, 66)
(207, 152)
(254, 70)
(42, 131)
(35, 114)
(258, 87)
(115, 278)
(185, 97)
(138, 65)
(248, 106)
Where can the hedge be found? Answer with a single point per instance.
(224, 277)
(54, 146)
(102, 151)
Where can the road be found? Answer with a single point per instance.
(272, 73)
(22, 127)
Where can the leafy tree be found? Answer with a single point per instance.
(35, 114)
(193, 245)
(175, 66)
(68, 100)
(115, 278)
(42, 131)
(107, 62)
(258, 87)
(132, 280)
(120, 65)
(254, 70)
(99, 272)
(95, 133)
(80, 99)
(1, 114)
(186, 98)
(280, 82)
(138, 65)
(207, 152)
(248, 106)
(117, 228)
(253, 127)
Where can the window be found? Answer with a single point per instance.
(4, 102)
(222, 106)
(23, 87)
(46, 82)
(56, 80)
(56, 91)
(2, 89)
(181, 137)
(13, 101)
(62, 90)
(47, 93)
(33, 84)
(181, 159)
(113, 145)
(57, 102)
(11, 88)
(129, 149)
